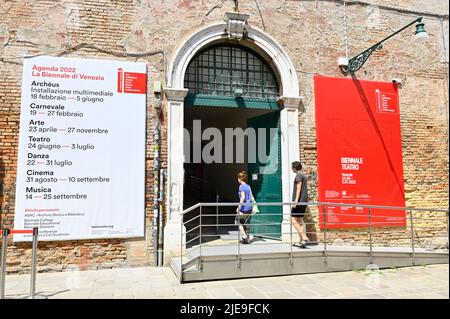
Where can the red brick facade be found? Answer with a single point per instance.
(311, 32)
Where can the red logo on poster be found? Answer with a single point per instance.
(131, 82)
(359, 151)
(120, 80)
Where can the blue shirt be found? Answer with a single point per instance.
(245, 188)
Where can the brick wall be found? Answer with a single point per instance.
(311, 32)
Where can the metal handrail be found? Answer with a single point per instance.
(187, 210)
(198, 226)
(313, 204)
(306, 223)
(336, 214)
(190, 220)
(195, 238)
(406, 221)
(285, 233)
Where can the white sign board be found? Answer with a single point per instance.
(81, 161)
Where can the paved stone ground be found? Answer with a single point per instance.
(149, 282)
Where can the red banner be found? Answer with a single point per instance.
(359, 152)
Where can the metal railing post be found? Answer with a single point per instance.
(290, 224)
(33, 263)
(181, 248)
(200, 246)
(238, 263)
(412, 238)
(370, 236)
(217, 213)
(325, 235)
(3, 262)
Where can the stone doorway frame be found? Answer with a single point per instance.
(175, 92)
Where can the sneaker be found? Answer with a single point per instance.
(312, 243)
(245, 241)
(302, 243)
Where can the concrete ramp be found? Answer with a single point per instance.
(222, 262)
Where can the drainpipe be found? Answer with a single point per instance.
(160, 221)
(156, 212)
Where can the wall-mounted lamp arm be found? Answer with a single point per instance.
(355, 63)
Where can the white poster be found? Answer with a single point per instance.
(81, 164)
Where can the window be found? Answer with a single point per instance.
(220, 70)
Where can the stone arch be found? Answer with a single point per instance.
(255, 39)
(175, 92)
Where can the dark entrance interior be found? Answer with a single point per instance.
(230, 86)
(216, 182)
(211, 182)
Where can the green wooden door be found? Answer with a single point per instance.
(265, 176)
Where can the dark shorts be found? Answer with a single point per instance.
(243, 219)
(298, 211)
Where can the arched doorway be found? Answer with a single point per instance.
(288, 105)
(232, 94)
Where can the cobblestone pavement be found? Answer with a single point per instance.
(150, 282)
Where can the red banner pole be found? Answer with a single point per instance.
(33, 263)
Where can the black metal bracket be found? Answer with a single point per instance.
(355, 63)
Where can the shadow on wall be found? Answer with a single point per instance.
(366, 104)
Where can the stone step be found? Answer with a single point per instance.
(263, 258)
